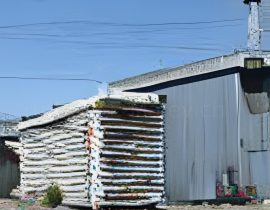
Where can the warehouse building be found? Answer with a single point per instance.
(217, 118)
(216, 123)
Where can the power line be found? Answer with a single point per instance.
(117, 33)
(185, 23)
(51, 79)
(119, 46)
(118, 24)
(114, 45)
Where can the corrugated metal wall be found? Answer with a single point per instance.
(204, 124)
(255, 155)
(201, 136)
(9, 171)
(260, 172)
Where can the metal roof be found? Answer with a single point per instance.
(8, 129)
(180, 72)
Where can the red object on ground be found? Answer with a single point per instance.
(254, 201)
(241, 194)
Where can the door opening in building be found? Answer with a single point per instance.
(9, 170)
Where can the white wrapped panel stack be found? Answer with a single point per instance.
(105, 151)
(56, 153)
(127, 154)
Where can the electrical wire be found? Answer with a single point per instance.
(114, 45)
(122, 44)
(116, 33)
(118, 24)
(51, 79)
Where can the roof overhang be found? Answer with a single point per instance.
(187, 71)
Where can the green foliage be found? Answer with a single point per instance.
(45, 202)
(113, 103)
(53, 197)
(100, 104)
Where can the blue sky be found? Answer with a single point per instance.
(109, 41)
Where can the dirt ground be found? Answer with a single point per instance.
(221, 207)
(6, 204)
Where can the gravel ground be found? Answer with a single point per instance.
(221, 207)
(6, 204)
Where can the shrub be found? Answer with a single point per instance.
(53, 197)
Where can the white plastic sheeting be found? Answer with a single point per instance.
(121, 164)
(127, 155)
(56, 153)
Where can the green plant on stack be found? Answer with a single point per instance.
(100, 104)
(53, 197)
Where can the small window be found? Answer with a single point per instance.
(254, 63)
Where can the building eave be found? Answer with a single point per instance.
(180, 72)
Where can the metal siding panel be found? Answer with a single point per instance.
(251, 126)
(260, 172)
(9, 177)
(201, 137)
(253, 129)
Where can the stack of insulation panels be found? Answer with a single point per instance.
(56, 154)
(102, 151)
(127, 154)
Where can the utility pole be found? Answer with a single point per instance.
(254, 31)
